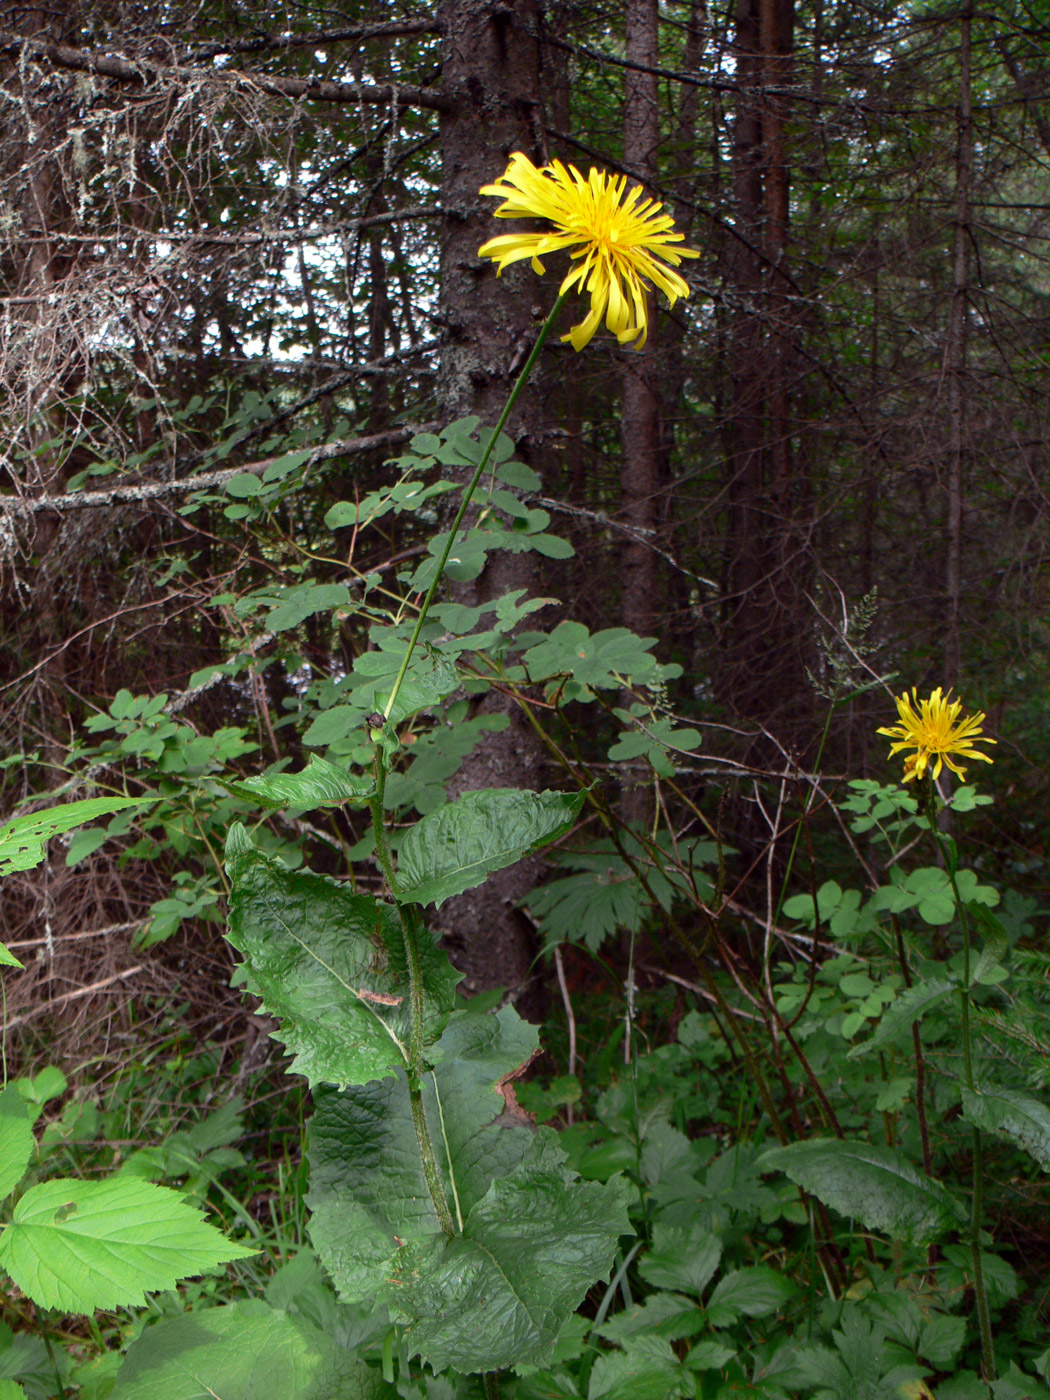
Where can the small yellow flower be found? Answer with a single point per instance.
(616, 241)
(931, 730)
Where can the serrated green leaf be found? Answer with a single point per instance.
(901, 1015)
(1017, 1117)
(11, 1390)
(456, 847)
(8, 959)
(23, 841)
(367, 1188)
(320, 784)
(941, 1340)
(331, 966)
(879, 1187)
(647, 1369)
(16, 1140)
(753, 1292)
(245, 1351)
(532, 1240)
(299, 601)
(497, 1294)
(82, 1245)
(681, 1259)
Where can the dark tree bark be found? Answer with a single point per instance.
(491, 76)
(763, 671)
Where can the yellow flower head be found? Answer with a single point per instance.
(615, 241)
(936, 733)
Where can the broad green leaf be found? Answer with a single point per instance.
(23, 841)
(367, 1188)
(667, 1315)
(8, 959)
(16, 1140)
(941, 1340)
(1011, 1115)
(245, 1351)
(299, 601)
(681, 1259)
(532, 1241)
(497, 1294)
(900, 1016)
(11, 1390)
(880, 1188)
(752, 1292)
(456, 847)
(82, 1245)
(646, 1369)
(331, 966)
(320, 784)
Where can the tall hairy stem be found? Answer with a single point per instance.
(950, 858)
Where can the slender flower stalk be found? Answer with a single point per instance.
(933, 729)
(619, 242)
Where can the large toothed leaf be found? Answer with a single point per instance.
(245, 1351)
(16, 1140)
(330, 965)
(880, 1188)
(82, 1245)
(479, 1301)
(367, 1189)
(498, 1294)
(1017, 1117)
(320, 784)
(456, 847)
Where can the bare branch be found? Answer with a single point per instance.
(155, 490)
(145, 71)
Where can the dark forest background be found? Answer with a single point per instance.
(239, 272)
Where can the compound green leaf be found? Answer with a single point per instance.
(1017, 1117)
(901, 1015)
(880, 1188)
(331, 966)
(82, 1245)
(24, 840)
(320, 784)
(752, 1292)
(245, 1351)
(681, 1259)
(456, 847)
(16, 1140)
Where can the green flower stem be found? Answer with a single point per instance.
(416, 1066)
(980, 1294)
(468, 494)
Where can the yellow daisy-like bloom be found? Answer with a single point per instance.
(933, 729)
(616, 241)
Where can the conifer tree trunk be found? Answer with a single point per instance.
(491, 71)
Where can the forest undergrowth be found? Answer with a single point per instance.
(796, 1148)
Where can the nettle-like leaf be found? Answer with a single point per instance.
(901, 1015)
(531, 1237)
(16, 1140)
(23, 841)
(1017, 1117)
(879, 1187)
(331, 966)
(245, 1351)
(320, 784)
(82, 1245)
(754, 1292)
(456, 847)
(497, 1294)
